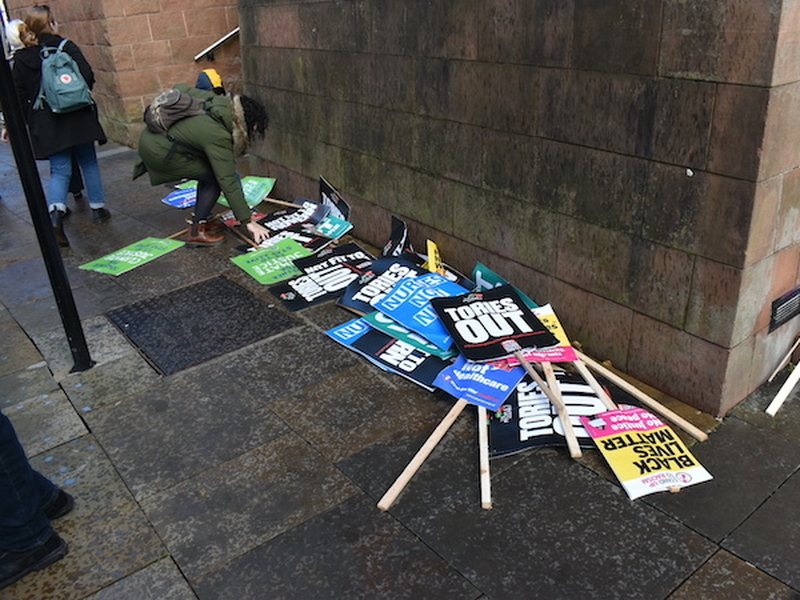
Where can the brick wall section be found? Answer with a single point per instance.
(634, 162)
(139, 47)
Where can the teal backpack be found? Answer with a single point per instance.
(63, 87)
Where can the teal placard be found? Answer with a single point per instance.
(333, 227)
(273, 264)
(389, 326)
(132, 256)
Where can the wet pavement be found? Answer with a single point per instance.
(256, 473)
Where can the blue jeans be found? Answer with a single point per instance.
(24, 494)
(61, 172)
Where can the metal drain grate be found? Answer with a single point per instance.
(196, 323)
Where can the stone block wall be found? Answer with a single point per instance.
(140, 47)
(633, 162)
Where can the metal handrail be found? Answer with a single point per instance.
(209, 52)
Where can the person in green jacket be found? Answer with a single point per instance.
(205, 148)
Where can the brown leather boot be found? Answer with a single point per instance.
(215, 227)
(198, 235)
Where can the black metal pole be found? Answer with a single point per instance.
(37, 205)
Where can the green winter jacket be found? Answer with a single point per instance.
(218, 137)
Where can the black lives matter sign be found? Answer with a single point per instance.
(480, 323)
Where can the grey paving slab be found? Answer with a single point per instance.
(45, 421)
(108, 534)
(357, 408)
(748, 464)
(285, 363)
(556, 530)
(785, 421)
(770, 538)
(105, 344)
(189, 424)
(211, 519)
(35, 380)
(350, 551)
(725, 576)
(17, 352)
(23, 282)
(109, 382)
(160, 581)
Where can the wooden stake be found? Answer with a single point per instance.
(244, 237)
(785, 361)
(281, 202)
(483, 450)
(400, 483)
(561, 408)
(554, 394)
(595, 385)
(695, 432)
(784, 392)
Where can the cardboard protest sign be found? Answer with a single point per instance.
(434, 263)
(389, 326)
(132, 256)
(307, 212)
(482, 323)
(362, 294)
(181, 198)
(481, 384)
(273, 264)
(332, 227)
(486, 279)
(400, 357)
(527, 419)
(255, 190)
(347, 333)
(644, 453)
(389, 353)
(323, 277)
(409, 303)
(331, 198)
(398, 242)
(563, 352)
(298, 233)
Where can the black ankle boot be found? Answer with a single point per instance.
(56, 219)
(100, 215)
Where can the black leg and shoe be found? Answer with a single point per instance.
(15, 565)
(100, 215)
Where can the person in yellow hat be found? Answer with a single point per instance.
(210, 81)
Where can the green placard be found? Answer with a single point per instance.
(273, 264)
(132, 256)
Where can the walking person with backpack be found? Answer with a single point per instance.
(53, 81)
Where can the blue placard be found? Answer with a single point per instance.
(408, 303)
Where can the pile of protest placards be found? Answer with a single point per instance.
(482, 341)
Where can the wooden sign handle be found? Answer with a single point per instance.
(695, 432)
(563, 414)
(574, 448)
(280, 202)
(400, 483)
(784, 392)
(483, 450)
(595, 385)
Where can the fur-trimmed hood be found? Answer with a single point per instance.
(240, 138)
